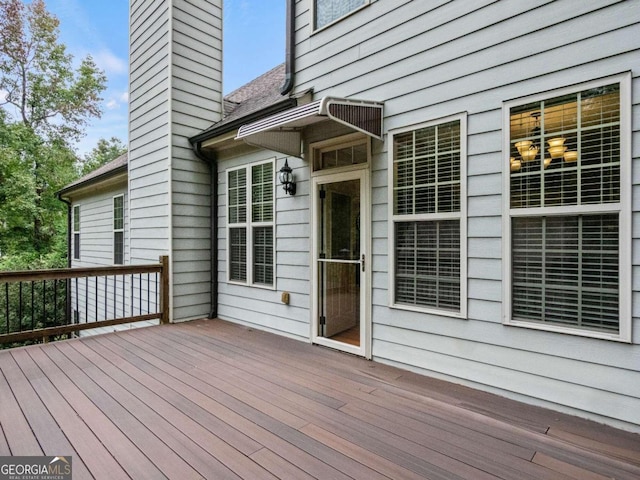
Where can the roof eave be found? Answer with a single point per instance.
(98, 179)
(238, 122)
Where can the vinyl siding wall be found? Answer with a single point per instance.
(96, 227)
(149, 117)
(257, 306)
(96, 250)
(196, 76)
(428, 60)
(175, 92)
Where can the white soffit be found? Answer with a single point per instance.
(283, 132)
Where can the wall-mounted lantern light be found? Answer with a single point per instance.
(287, 180)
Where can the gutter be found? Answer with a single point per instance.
(212, 162)
(196, 144)
(111, 173)
(290, 56)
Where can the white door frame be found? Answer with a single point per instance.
(360, 173)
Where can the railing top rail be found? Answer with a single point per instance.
(64, 273)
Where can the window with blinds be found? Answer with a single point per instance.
(262, 214)
(76, 232)
(428, 213)
(328, 11)
(565, 209)
(250, 209)
(118, 230)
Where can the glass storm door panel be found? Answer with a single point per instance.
(339, 261)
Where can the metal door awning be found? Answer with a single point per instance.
(282, 132)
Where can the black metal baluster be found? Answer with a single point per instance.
(132, 279)
(55, 302)
(96, 319)
(44, 303)
(157, 292)
(124, 303)
(33, 306)
(20, 307)
(6, 298)
(67, 299)
(77, 301)
(140, 299)
(148, 294)
(106, 289)
(86, 300)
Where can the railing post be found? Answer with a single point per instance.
(164, 289)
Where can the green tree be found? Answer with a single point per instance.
(32, 219)
(47, 104)
(37, 73)
(102, 153)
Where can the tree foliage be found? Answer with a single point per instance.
(102, 153)
(37, 74)
(46, 103)
(32, 219)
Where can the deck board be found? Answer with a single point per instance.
(117, 444)
(89, 449)
(45, 428)
(434, 442)
(12, 418)
(261, 427)
(4, 446)
(187, 438)
(324, 414)
(209, 399)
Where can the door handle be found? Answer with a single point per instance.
(362, 262)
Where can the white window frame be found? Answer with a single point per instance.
(315, 29)
(345, 141)
(118, 230)
(623, 209)
(461, 216)
(76, 232)
(249, 225)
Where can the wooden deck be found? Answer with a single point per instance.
(214, 400)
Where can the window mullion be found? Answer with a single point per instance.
(249, 207)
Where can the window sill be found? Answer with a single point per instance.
(430, 311)
(251, 285)
(576, 332)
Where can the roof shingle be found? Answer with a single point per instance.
(115, 164)
(259, 93)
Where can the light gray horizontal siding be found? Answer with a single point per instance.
(428, 60)
(148, 130)
(196, 98)
(96, 227)
(96, 249)
(259, 307)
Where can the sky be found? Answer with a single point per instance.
(253, 43)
